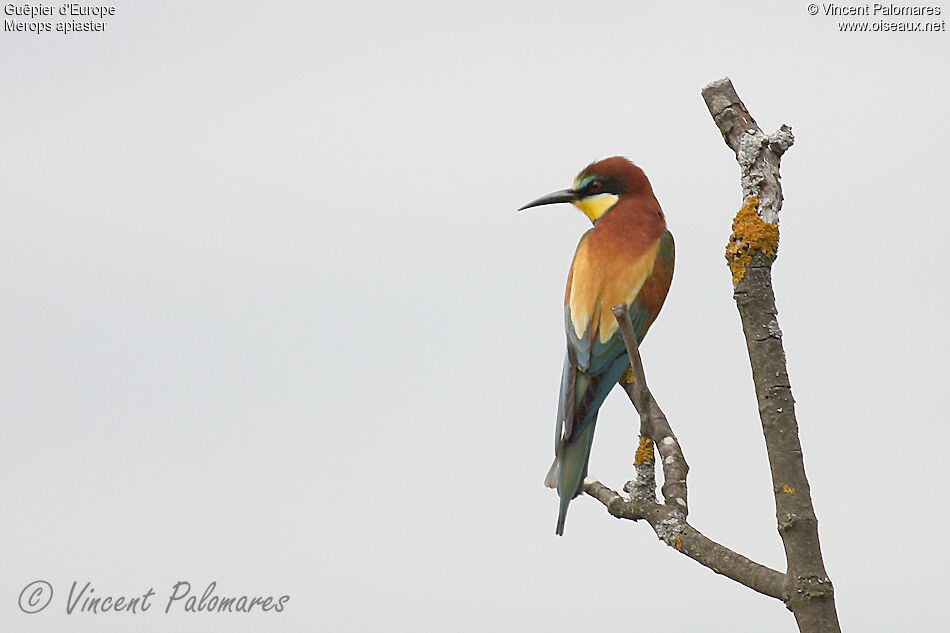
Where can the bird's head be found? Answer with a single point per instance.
(599, 187)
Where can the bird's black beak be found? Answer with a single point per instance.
(565, 195)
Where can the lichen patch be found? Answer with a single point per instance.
(628, 377)
(750, 233)
(644, 452)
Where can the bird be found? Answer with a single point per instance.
(626, 258)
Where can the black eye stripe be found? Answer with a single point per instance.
(609, 185)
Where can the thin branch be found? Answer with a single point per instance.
(751, 252)
(668, 520)
(672, 529)
(653, 422)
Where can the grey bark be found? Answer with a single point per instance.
(668, 520)
(653, 422)
(672, 529)
(809, 592)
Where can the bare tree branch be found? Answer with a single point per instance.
(669, 520)
(758, 155)
(653, 422)
(672, 529)
(751, 252)
(805, 587)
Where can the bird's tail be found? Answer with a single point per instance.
(569, 469)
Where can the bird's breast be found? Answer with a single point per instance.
(603, 276)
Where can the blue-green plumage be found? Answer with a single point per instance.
(583, 391)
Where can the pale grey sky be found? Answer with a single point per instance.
(271, 319)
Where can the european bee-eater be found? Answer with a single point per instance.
(626, 258)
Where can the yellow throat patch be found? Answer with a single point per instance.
(594, 207)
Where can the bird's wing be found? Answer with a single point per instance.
(595, 362)
(565, 407)
(649, 300)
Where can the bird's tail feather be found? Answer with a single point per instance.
(570, 469)
(550, 480)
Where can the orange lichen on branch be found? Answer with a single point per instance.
(644, 451)
(788, 489)
(678, 543)
(750, 233)
(628, 377)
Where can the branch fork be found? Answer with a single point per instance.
(668, 519)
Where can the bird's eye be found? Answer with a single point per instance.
(595, 186)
